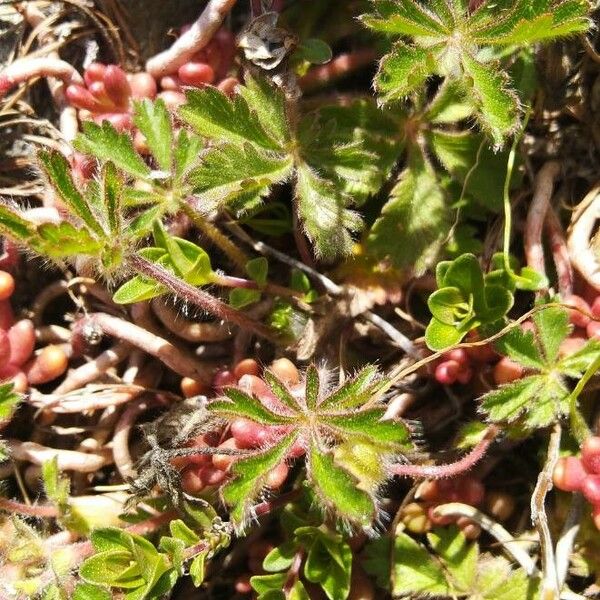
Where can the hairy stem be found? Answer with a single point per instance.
(453, 469)
(200, 298)
(550, 586)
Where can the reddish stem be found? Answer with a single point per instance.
(544, 183)
(560, 253)
(37, 510)
(25, 69)
(199, 298)
(453, 469)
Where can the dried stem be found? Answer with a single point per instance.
(199, 298)
(453, 469)
(582, 255)
(86, 399)
(564, 546)
(24, 69)
(550, 585)
(544, 185)
(180, 361)
(190, 42)
(94, 369)
(189, 330)
(68, 460)
(120, 441)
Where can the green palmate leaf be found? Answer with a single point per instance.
(227, 171)
(415, 572)
(106, 143)
(215, 116)
(450, 105)
(64, 240)
(525, 22)
(403, 71)
(313, 386)
(250, 475)
(326, 220)
(243, 405)
(268, 103)
(337, 488)
(58, 171)
(154, 122)
(458, 555)
(15, 226)
(112, 192)
(497, 105)
(404, 17)
(186, 152)
(521, 346)
(552, 326)
(579, 362)
(354, 392)
(368, 425)
(543, 397)
(414, 222)
(280, 391)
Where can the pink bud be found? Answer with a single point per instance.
(22, 341)
(507, 370)
(98, 90)
(171, 82)
(172, 99)
(593, 330)
(120, 121)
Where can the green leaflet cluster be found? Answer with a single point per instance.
(345, 443)
(541, 397)
(332, 158)
(451, 567)
(445, 38)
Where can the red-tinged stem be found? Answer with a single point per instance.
(24, 69)
(337, 68)
(194, 39)
(453, 469)
(38, 510)
(200, 298)
(560, 253)
(544, 184)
